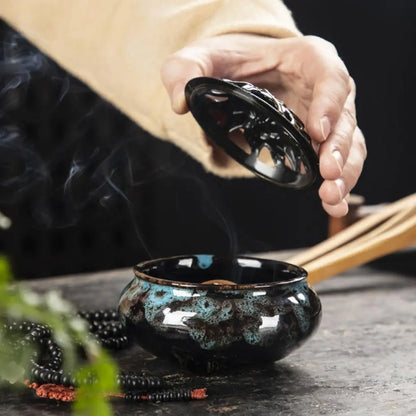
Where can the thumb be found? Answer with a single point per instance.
(176, 71)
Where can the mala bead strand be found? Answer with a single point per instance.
(170, 395)
(54, 352)
(32, 331)
(50, 370)
(42, 375)
(29, 333)
(107, 328)
(115, 343)
(136, 382)
(68, 394)
(48, 379)
(102, 315)
(49, 353)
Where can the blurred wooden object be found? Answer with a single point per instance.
(357, 211)
(391, 228)
(335, 225)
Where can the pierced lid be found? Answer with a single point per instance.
(255, 129)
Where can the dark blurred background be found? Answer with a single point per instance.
(87, 189)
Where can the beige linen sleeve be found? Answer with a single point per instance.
(117, 47)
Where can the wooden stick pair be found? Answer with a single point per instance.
(391, 229)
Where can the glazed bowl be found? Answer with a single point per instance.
(211, 313)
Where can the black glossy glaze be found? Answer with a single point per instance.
(264, 311)
(244, 120)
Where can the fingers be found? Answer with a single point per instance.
(308, 73)
(178, 69)
(335, 150)
(338, 210)
(331, 121)
(334, 192)
(224, 56)
(331, 84)
(329, 95)
(234, 56)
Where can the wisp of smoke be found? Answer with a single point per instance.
(95, 175)
(18, 61)
(21, 168)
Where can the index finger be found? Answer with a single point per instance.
(177, 70)
(330, 93)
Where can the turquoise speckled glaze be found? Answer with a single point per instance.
(260, 310)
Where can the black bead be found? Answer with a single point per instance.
(47, 364)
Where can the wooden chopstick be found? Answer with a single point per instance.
(396, 219)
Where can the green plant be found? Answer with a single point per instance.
(70, 331)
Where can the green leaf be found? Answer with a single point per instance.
(91, 398)
(19, 303)
(5, 271)
(11, 371)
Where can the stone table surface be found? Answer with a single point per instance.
(361, 361)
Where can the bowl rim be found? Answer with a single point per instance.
(301, 275)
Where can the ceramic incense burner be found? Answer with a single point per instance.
(211, 313)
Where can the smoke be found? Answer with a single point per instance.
(19, 59)
(18, 63)
(214, 210)
(21, 168)
(85, 166)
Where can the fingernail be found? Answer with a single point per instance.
(347, 208)
(341, 188)
(336, 154)
(325, 127)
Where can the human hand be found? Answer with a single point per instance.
(308, 75)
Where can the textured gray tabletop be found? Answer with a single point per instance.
(362, 360)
